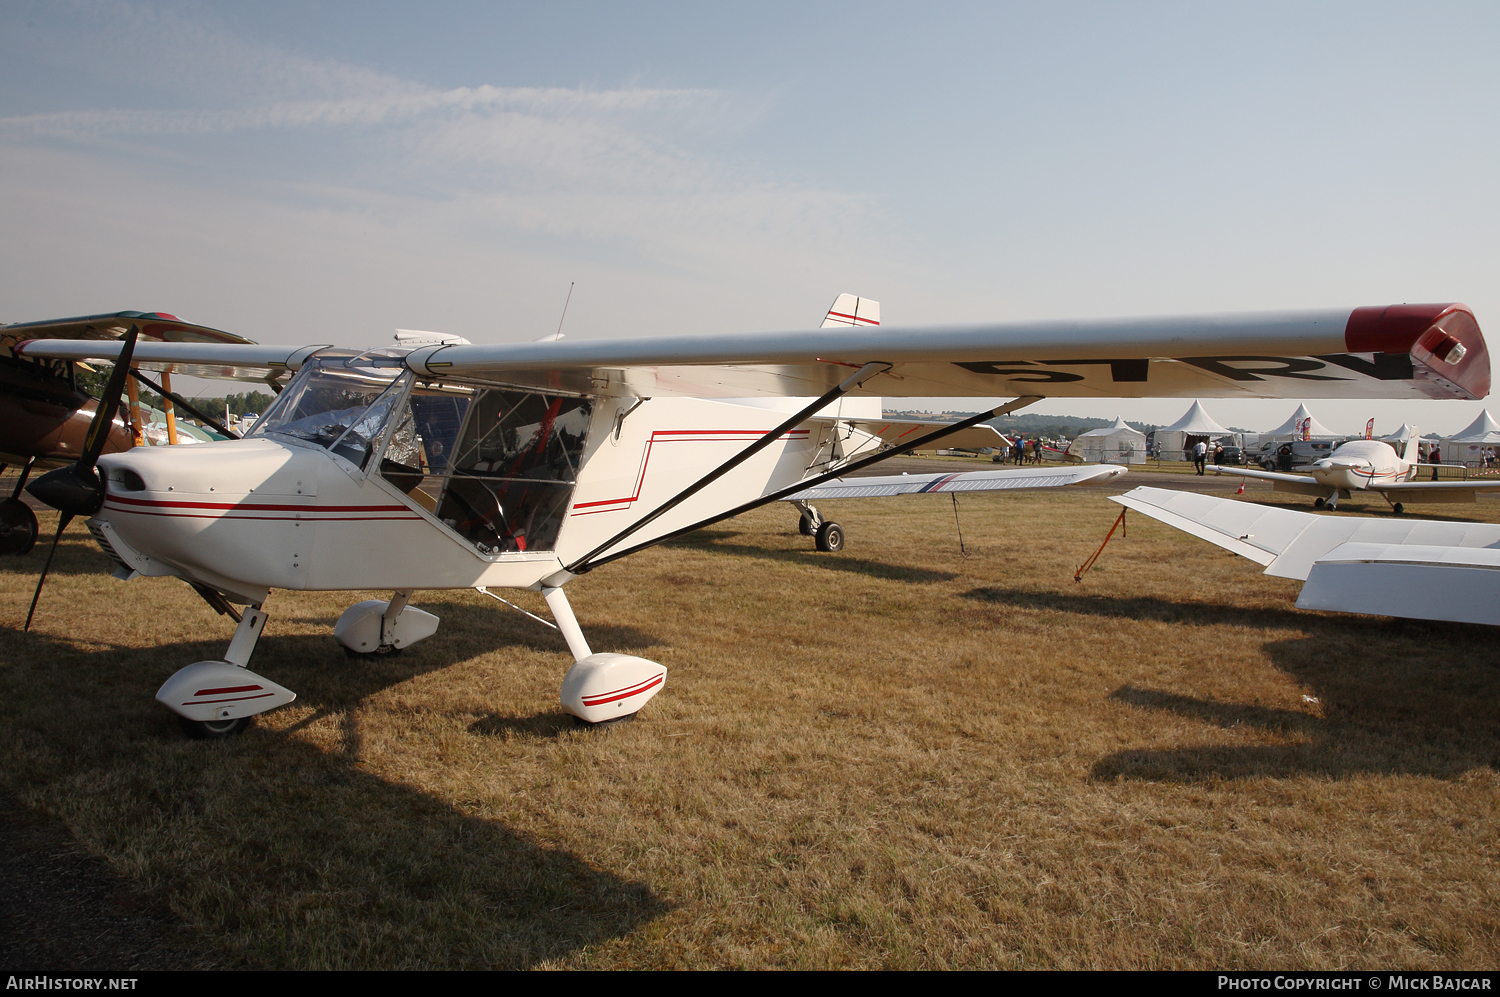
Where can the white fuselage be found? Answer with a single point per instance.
(271, 512)
(1360, 464)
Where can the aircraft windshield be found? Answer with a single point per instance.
(340, 410)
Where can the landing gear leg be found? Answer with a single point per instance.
(811, 518)
(601, 688)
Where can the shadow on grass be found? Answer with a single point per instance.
(1397, 696)
(708, 540)
(277, 852)
(1395, 699)
(1149, 608)
(538, 725)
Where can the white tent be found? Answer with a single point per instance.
(1176, 440)
(1292, 428)
(1469, 445)
(1401, 437)
(1117, 444)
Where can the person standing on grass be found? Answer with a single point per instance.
(1200, 456)
(1435, 457)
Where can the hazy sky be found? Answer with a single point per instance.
(327, 172)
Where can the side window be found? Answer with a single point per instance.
(513, 467)
(419, 456)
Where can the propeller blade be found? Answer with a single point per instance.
(77, 490)
(109, 404)
(62, 524)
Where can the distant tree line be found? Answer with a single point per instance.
(94, 382)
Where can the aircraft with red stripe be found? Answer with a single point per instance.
(440, 464)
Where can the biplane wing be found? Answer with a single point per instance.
(1401, 351)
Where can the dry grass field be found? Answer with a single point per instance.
(892, 757)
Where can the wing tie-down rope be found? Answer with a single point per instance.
(1083, 569)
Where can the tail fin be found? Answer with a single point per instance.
(851, 310)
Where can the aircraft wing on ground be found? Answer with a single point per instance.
(963, 481)
(1282, 482)
(1413, 568)
(1388, 567)
(1401, 351)
(1438, 491)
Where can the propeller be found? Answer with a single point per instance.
(77, 490)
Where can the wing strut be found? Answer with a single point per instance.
(182, 402)
(591, 561)
(848, 384)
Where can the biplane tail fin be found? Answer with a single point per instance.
(850, 309)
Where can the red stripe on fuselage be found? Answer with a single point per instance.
(665, 436)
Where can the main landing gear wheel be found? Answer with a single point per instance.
(603, 724)
(384, 651)
(213, 730)
(830, 538)
(804, 527)
(1398, 508)
(18, 527)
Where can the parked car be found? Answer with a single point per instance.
(1283, 455)
(1232, 455)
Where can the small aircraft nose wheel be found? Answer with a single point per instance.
(830, 538)
(18, 527)
(1398, 508)
(213, 730)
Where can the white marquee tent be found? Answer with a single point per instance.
(1290, 430)
(1468, 446)
(1176, 440)
(1117, 444)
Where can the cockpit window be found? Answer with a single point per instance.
(496, 466)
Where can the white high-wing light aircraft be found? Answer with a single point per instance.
(1367, 465)
(528, 465)
(1419, 569)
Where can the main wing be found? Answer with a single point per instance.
(1401, 351)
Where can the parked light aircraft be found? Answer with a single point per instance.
(529, 465)
(1419, 569)
(44, 415)
(1367, 465)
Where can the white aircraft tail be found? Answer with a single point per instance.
(849, 309)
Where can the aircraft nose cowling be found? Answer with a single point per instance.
(223, 513)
